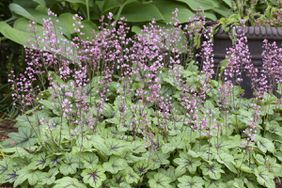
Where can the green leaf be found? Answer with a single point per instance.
(170, 172)
(66, 22)
(264, 177)
(99, 144)
(130, 176)
(168, 148)
(226, 142)
(278, 155)
(116, 147)
(15, 35)
(23, 176)
(11, 177)
(88, 29)
(167, 7)
(139, 12)
(22, 24)
(40, 2)
(236, 183)
(274, 127)
(29, 13)
(38, 162)
(111, 4)
(35, 177)
(69, 183)
(206, 153)
(250, 184)
(108, 110)
(17, 9)
(259, 158)
(191, 182)
(273, 166)
(89, 159)
(117, 181)
(228, 160)
(213, 170)
(136, 29)
(243, 167)
(159, 180)
(131, 158)
(199, 4)
(228, 2)
(138, 146)
(25, 137)
(222, 11)
(265, 145)
(193, 153)
(50, 177)
(75, 1)
(176, 129)
(210, 15)
(186, 163)
(141, 167)
(70, 164)
(48, 104)
(4, 166)
(25, 4)
(94, 176)
(115, 164)
(156, 159)
(67, 169)
(210, 183)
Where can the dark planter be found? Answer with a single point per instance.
(255, 36)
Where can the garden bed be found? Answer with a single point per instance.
(123, 110)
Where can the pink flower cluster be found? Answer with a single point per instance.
(240, 60)
(262, 79)
(271, 72)
(207, 57)
(272, 62)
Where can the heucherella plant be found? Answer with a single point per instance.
(123, 110)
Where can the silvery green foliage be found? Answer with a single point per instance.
(127, 143)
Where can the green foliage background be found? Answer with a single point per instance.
(135, 11)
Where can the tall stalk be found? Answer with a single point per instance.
(87, 9)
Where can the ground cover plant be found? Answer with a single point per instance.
(143, 111)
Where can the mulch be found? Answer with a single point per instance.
(6, 127)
